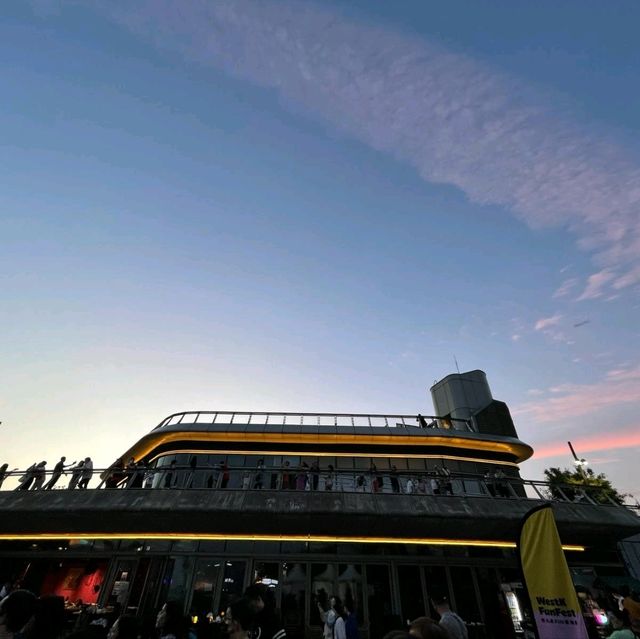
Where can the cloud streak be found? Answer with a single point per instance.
(569, 401)
(566, 287)
(456, 120)
(547, 322)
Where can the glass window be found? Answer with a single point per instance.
(381, 618)
(400, 463)
(411, 595)
(350, 586)
(138, 584)
(436, 581)
(465, 593)
(496, 612)
(323, 577)
(205, 583)
(105, 544)
(236, 465)
(232, 582)
(294, 587)
(266, 573)
(185, 546)
(240, 547)
(265, 548)
(177, 578)
(152, 584)
(214, 547)
(135, 545)
(121, 583)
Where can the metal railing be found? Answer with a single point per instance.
(305, 480)
(317, 419)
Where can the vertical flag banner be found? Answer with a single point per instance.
(556, 609)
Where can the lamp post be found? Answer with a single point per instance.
(580, 463)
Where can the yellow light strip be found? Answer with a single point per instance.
(151, 441)
(294, 453)
(421, 541)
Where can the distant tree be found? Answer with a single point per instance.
(572, 483)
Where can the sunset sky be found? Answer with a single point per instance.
(296, 206)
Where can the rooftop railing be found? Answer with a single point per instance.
(306, 480)
(317, 419)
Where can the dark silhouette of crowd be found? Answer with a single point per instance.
(306, 477)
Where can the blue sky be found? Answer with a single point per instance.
(300, 206)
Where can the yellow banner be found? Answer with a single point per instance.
(556, 609)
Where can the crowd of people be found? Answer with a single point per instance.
(304, 477)
(23, 615)
(252, 616)
(35, 477)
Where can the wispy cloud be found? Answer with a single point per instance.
(566, 287)
(566, 401)
(626, 373)
(596, 284)
(547, 322)
(456, 120)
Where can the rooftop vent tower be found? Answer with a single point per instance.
(468, 396)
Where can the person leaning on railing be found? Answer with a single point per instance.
(3, 473)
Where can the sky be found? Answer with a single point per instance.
(316, 206)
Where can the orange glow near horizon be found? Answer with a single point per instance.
(628, 438)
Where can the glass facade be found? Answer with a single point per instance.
(305, 473)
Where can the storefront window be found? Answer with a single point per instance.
(323, 578)
(381, 618)
(178, 576)
(266, 573)
(205, 583)
(497, 615)
(350, 588)
(435, 578)
(232, 582)
(465, 594)
(121, 583)
(294, 585)
(75, 580)
(411, 594)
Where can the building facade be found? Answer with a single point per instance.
(383, 510)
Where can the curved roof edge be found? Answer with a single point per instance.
(328, 436)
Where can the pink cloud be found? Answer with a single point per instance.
(596, 284)
(566, 287)
(576, 400)
(624, 374)
(547, 322)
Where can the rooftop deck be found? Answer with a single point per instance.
(340, 420)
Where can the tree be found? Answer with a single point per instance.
(572, 483)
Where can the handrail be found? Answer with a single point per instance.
(442, 482)
(314, 419)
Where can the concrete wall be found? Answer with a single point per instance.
(283, 512)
